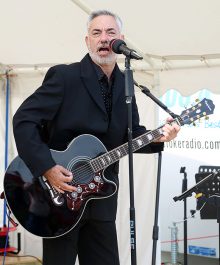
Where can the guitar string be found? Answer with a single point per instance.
(88, 167)
(85, 168)
(109, 154)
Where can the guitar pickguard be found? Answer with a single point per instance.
(84, 192)
(56, 197)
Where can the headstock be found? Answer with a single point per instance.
(200, 110)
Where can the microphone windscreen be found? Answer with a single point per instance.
(115, 45)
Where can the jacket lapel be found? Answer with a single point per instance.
(91, 82)
(118, 86)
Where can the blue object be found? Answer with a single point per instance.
(202, 251)
(6, 135)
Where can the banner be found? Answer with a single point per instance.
(197, 145)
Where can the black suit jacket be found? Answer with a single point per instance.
(70, 103)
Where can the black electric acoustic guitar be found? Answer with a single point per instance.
(43, 211)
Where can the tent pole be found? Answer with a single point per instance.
(82, 5)
(6, 135)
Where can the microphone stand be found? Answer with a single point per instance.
(147, 92)
(155, 236)
(195, 188)
(129, 93)
(184, 188)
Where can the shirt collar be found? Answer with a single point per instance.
(100, 73)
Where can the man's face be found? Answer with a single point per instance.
(101, 31)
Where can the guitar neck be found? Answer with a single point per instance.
(188, 116)
(116, 154)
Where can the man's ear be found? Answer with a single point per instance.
(87, 41)
(122, 36)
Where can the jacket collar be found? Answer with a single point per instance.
(89, 77)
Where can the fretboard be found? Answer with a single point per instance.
(116, 154)
(188, 116)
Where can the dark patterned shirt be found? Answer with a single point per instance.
(106, 88)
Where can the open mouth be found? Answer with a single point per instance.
(103, 49)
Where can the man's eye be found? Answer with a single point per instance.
(111, 33)
(95, 34)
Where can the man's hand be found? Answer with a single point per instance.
(169, 131)
(59, 177)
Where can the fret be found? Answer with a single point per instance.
(102, 161)
(145, 139)
(125, 149)
(108, 158)
(157, 133)
(113, 155)
(100, 166)
(139, 142)
(150, 136)
(116, 154)
(105, 159)
(94, 165)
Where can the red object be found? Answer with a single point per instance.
(9, 249)
(4, 230)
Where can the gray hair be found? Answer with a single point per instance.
(104, 12)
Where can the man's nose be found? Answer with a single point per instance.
(104, 37)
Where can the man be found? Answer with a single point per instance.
(81, 98)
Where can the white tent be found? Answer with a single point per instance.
(180, 45)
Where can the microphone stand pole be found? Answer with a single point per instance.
(147, 92)
(184, 188)
(155, 236)
(129, 93)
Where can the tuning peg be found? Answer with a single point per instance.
(207, 117)
(196, 100)
(194, 124)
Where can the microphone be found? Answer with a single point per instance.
(119, 46)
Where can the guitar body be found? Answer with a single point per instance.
(39, 208)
